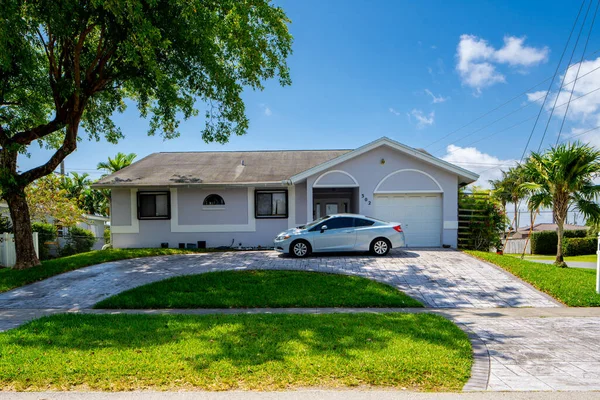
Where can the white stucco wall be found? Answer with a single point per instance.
(368, 170)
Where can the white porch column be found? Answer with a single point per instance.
(309, 201)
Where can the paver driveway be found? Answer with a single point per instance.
(438, 278)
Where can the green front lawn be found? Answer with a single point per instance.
(223, 352)
(246, 289)
(10, 278)
(585, 258)
(575, 287)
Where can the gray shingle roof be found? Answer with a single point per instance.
(224, 167)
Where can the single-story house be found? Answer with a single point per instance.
(245, 198)
(523, 233)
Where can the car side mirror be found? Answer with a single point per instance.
(323, 228)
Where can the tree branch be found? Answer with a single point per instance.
(68, 146)
(26, 137)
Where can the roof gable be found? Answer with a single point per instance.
(465, 176)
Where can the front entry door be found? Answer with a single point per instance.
(322, 207)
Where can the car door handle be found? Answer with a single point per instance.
(348, 231)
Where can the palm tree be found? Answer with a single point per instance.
(500, 192)
(563, 178)
(120, 161)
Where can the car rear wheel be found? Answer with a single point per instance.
(380, 246)
(300, 248)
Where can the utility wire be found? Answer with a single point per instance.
(521, 122)
(511, 113)
(556, 72)
(577, 74)
(498, 107)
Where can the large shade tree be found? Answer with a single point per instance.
(71, 63)
(563, 177)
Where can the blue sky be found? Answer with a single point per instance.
(414, 71)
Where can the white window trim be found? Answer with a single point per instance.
(175, 227)
(134, 227)
(335, 185)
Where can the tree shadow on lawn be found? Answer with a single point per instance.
(245, 340)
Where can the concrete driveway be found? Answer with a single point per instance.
(438, 278)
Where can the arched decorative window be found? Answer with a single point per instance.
(213, 200)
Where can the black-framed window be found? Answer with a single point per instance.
(213, 200)
(154, 205)
(271, 204)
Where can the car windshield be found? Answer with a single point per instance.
(316, 222)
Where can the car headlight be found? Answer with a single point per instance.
(283, 237)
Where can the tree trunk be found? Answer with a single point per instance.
(560, 261)
(516, 215)
(19, 212)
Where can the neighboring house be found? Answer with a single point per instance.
(523, 233)
(247, 198)
(92, 223)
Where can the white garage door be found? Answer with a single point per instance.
(419, 214)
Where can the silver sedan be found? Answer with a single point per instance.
(341, 232)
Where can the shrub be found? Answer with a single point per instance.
(579, 246)
(580, 233)
(78, 240)
(545, 242)
(46, 234)
(107, 235)
(5, 225)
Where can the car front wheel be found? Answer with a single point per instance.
(380, 247)
(300, 249)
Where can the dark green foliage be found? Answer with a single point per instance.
(78, 240)
(5, 225)
(46, 234)
(580, 246)
(481, 221)
(545, 242)
(107, 235)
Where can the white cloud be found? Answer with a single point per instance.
(394, 111)
(584, 108)
(537, 97)
(487, 166)
(436, 99)
(266, 109)
(423, 120)
(477, 60)
(515, 53)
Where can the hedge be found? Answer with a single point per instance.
(545, 242)
(78, 240)
(579, 246)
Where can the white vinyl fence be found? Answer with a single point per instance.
(515, 246)
(8, 254)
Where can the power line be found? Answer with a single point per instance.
(499, 106)
(519, 123)
(577, 74)
(554, 76)
(512, 112)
